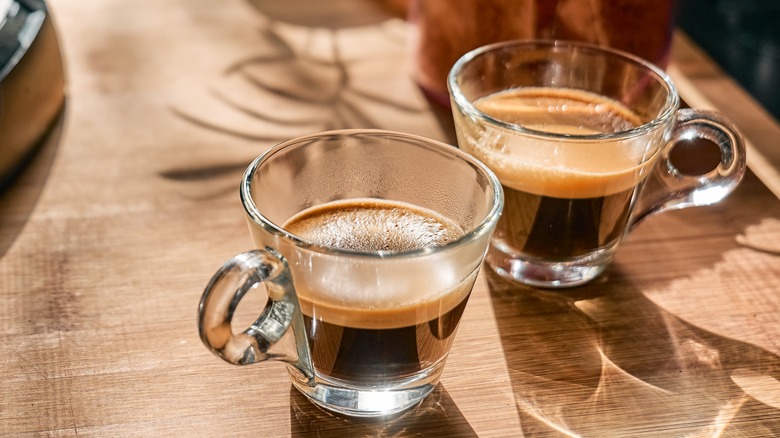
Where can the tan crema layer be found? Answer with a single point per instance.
(388, 317)
(561, 168)
(386, 225)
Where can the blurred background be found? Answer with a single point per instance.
(743, 36)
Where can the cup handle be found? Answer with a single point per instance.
(277, 334)
(667, 188)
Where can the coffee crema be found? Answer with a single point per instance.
(372, 225)
(564, 167)
(379, 339)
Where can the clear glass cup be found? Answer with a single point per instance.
(363, 333)
(587, 143)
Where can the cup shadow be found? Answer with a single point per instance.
(604, 360)
(20, 191)
(436, 415)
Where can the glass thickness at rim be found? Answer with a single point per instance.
(561, 47)
(484, 226)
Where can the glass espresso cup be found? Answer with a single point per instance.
(582, 139)
(368, 244)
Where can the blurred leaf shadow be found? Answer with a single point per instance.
(288, 89)
(604, 360)
(436, 416)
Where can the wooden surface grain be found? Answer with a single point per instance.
(109, 236)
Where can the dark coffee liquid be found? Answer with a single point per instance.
(375, 343)
(375, 355)
(557, 229)
(563, 197)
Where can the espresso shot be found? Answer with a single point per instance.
(570, 200)
(350, 337)
(367, 243)
(581, 138)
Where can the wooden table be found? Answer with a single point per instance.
(108, 238)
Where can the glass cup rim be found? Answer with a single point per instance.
(253, 211)
(668, 110)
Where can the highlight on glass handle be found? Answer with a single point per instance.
(277, 333)
(668, 188)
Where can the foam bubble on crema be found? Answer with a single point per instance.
(372, 226)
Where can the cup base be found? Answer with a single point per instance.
(549, 275)
(370, 401)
